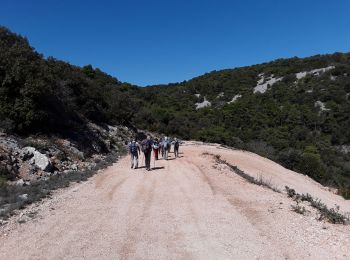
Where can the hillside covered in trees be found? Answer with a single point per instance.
(51, 96)
(294, 111)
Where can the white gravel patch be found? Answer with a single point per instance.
(220, 95)
(315, 72)
(234, 99)
(344, 148)
(203, 104)
(321, 105)
(263, 83)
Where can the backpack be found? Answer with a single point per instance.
(155, 145)
(165, 145)
(146, 146)
(133, 148)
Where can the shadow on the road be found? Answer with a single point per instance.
(157, 168)
(140, 167)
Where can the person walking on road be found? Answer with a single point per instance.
(156, 148)
(161, 147)
(166, 149)
(146, 147)
(176, 147)
(134, 151)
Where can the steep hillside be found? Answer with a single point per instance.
(295, 111)
(53, 99)
(65, 97)
(58, 122)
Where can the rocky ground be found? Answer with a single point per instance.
(34, 160)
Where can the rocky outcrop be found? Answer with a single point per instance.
(24, 160)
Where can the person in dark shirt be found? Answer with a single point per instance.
(176, 147)
(146, 146)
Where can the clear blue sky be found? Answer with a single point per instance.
(151, 42)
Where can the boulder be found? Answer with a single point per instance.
(23, 196)
(78, 154)
(41, 161)
(36, 158)
(27, 153)
(20, 182)
(74, 167)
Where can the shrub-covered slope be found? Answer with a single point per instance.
(48, 95)
(295, 111)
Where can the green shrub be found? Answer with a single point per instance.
(331, 215)
(299, 209)
(311, 163)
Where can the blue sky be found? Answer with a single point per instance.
(152, 42)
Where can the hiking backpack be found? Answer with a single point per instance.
(155, 145)
(145, 146)
(133, 148)
(168, 146)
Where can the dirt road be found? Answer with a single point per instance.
(188, 208)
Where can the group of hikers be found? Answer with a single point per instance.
(162, 146)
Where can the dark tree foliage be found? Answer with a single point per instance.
(47, 95)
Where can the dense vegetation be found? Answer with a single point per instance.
(287, 123)
(47, 95)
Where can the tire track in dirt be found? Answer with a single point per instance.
(251, 213)
(100, 179)
(108, 174)
(115, 188)
(143, 196)
(254, 216)
(247, 207)
(204, 177)
(243, 206)
(175, 211)
(198, 170)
